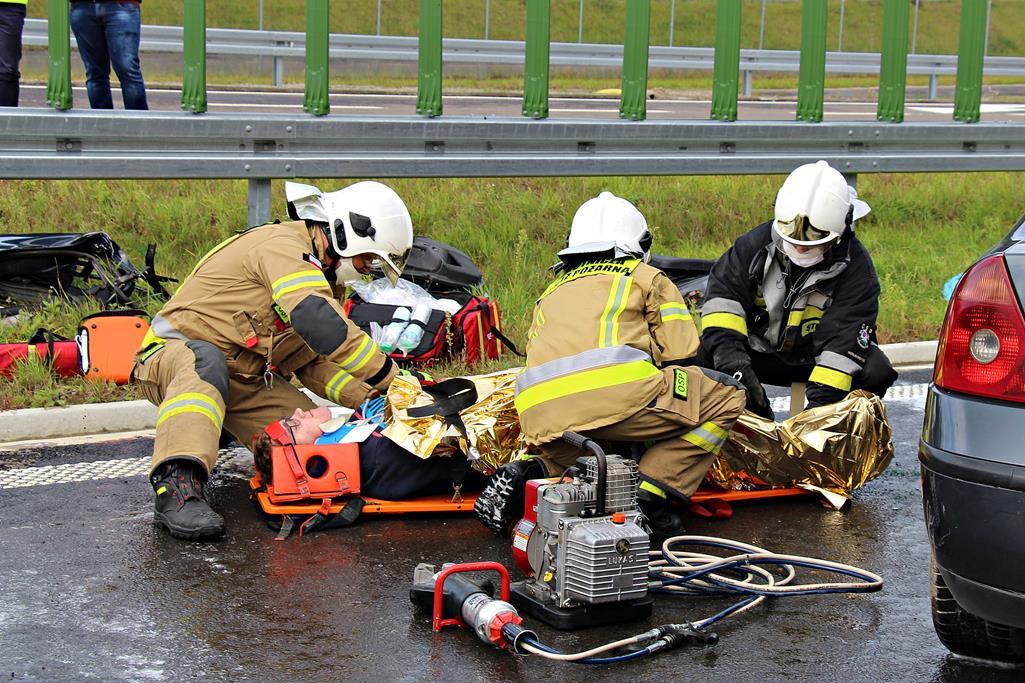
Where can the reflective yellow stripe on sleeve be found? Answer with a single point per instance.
(674, 311)
(729, 321)
(334, 386)
(586, 380)
(363, 353)
(831, 378)
(311, 279)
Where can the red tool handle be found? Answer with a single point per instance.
(439, 586)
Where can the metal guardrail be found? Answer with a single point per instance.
(282, 44)
(41, 143)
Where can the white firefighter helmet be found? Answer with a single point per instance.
(812, 205)
(364, 218)
(606, 223)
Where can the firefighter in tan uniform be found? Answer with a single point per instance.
(609, 356)
(255, 311)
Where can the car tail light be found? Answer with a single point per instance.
(982, 343)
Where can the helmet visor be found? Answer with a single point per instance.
(393, 265)
(799, 229)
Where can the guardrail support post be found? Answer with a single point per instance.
(278, 66)
(194, 56)
(934, 82)
(259, 201)
(893, 66)
(58, 28)
(970, 55)
(535, 67)
(726, 70)
(747, 84)
(633, 101)
(428, 92)
(318, 76)
(811, 80)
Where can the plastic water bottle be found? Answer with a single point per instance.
(400, 319)
(411, 336)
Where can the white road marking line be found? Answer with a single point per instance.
(101, 469)
(298, 105)
(241, 459)
(984, 109)
(603, 111)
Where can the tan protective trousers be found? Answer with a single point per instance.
(190, 384)
(687, 433)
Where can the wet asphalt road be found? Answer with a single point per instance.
(90, 591)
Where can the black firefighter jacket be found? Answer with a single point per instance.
(825, 315)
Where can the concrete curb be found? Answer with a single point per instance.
(30, 424)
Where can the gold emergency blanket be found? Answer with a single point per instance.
(832, 449)
(492, 425)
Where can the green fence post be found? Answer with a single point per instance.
(58, 83)
(726, 72)
(633, 100)
(535, 67)
(893, 67)
(970, 55)
(194, 49)
(318, 74)
(428, 92)
(812, 78)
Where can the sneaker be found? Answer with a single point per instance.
(180, 505)
(500, 504)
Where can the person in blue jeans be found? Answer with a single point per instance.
(107, 33)
(12, 20)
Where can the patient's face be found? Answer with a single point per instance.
(305, 424)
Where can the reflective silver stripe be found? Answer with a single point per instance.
(829, 359)
(585, 360)
(163, 329)
(673, 309)
(609, 323)
(720, 305)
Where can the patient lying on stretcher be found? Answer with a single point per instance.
(386, 470)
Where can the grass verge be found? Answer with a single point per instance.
(923, 228)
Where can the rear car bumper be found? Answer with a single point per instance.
(975, 514)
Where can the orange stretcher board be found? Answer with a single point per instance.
(443, 503)
(371, 506)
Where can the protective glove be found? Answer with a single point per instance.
(757, 401)
(420, 375)
(737, 363)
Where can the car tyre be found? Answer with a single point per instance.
(965, 634)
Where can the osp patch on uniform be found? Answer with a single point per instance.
(313, 260)
(680, 383)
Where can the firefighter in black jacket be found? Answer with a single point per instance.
(796, 298)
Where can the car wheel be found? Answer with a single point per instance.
(965, 634)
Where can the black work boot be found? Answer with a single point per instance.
(500, 504)
(180, 506)
(663, 521)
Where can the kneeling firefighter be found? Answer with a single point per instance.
(796, 298)
(255, 311)
(609, 355)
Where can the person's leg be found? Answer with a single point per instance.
(92, 45)
(12, 21)
(770, 369)
(252, 406)
(688, 422)
(121, 26)
(188, 381)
